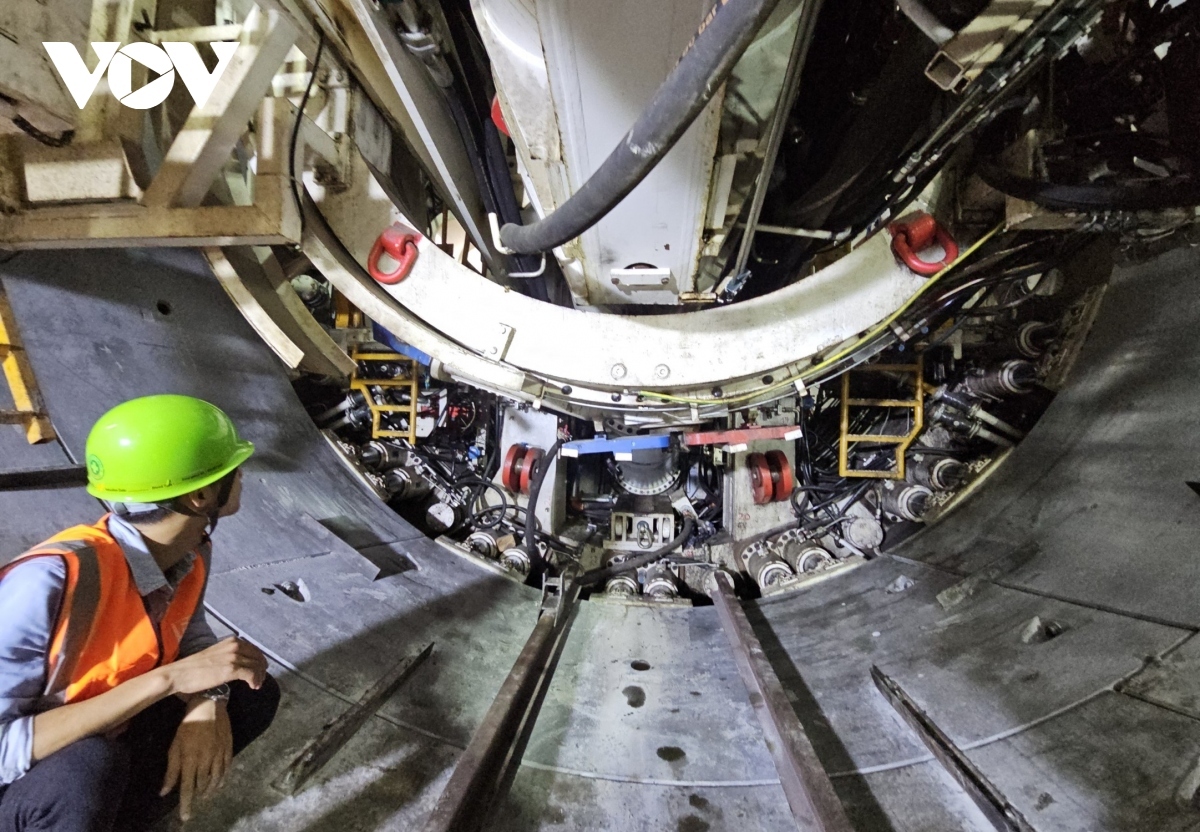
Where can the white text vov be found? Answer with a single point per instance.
(164, 59)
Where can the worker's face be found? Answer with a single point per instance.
(235, 496)
(205, 499)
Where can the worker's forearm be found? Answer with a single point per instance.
(55, 729)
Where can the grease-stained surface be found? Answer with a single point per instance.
(646, 724)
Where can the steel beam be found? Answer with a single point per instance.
(982, 41)
(995, 807)
(272, 220)
(206, 140)
(814, 804)
(805, 27)
(486, 769)
(367, 44)
(63, 477)
(266, 327)
(321, 749)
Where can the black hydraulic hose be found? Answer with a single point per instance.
(596, 576)
(724, 36)
(495, 162)
(530, 534)
(481, 486)
(1092, 196)
(495, 460)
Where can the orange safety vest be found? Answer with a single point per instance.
(103, 636)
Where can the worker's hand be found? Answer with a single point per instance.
(200, 753)
(225, 661)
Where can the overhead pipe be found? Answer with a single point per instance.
(725, 34)
(926, 21)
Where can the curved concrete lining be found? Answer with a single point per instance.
(1089, 523)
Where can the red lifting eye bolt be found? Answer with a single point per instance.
(401, 245)
(498, 117)
(911, 238)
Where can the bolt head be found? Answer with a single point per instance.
(662, 371)
(665, 281)
(618, 371)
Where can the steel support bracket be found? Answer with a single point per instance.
(553, 598)
(1003, 815)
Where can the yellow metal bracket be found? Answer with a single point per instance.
(377, 408)
(916, 404)
(28, 407)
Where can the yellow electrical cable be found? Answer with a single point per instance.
(878, 328)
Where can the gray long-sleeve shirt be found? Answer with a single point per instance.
(29, 599)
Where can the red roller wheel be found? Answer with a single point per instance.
(781, 475)
(510, 472)
(529, 465)
(761, 484)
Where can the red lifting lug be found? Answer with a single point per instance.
(401, 245)
(498, 117)
(912, 237)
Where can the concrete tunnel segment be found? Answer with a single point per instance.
(1090, 523)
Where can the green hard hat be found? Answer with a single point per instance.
(156, 448)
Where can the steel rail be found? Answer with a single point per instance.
(809, 791)
(485, 771)
(334, 736)
(991, 801)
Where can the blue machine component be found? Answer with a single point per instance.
(396, 345)
(622, 445)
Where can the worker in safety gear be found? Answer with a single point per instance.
(116, 699)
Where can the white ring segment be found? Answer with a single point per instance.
(698, 348)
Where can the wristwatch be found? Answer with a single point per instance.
(218, 694)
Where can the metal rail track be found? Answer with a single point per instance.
(485, 772)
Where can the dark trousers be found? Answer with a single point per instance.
(98, 784)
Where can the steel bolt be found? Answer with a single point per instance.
(618, 371)
(665, 281)
(662, 371)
